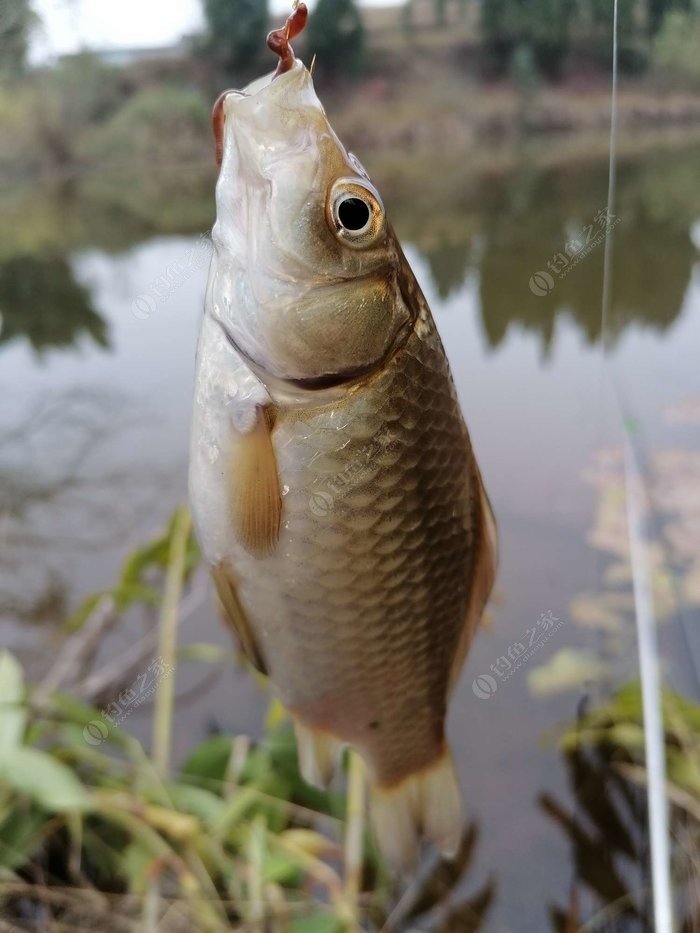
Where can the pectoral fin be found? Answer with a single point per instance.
(235, 615)
(255, 500)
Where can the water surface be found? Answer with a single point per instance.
(100, 300)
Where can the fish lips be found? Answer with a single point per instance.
(273, 109)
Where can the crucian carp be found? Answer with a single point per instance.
(321, 379)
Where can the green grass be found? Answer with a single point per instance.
(100, 832)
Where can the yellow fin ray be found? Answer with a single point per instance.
(236, 616)
(318, 754)
(426, 803)
(255, 500)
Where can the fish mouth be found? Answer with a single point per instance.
(266, 81)
(282, 90)
(274, 86)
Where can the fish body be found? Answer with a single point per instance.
(333, 484)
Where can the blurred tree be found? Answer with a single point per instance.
(79, 92)
(657, 10)
(236, 31)
(633, 52)
(677, 43)
(440, 12)
(337, 37)
(407, 13)
(543, 25)
(463, 7)
(523, 73)
(17, 19)
(136, 131)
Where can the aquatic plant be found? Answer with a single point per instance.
(607, 827)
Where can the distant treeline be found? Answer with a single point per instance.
(508, 32)
(423, 64)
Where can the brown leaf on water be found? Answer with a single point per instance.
(673, 515)
(606, 611)
(566, 670)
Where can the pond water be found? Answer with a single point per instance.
(100, 306)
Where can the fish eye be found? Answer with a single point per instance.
(356, 213)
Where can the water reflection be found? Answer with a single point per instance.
(63, 491)
(607, 831)
(672, 514)
(41, 301)
(449, 264)
(607, 824)
(437, 900)
(503, 228)
(508, 228)
(651, 269)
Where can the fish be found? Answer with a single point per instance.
(333, 485)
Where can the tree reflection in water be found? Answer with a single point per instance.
(505, 228)
(41, 301)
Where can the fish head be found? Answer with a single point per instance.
(306, 278)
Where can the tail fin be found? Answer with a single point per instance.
(426, 803)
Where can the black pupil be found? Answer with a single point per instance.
(353, 213)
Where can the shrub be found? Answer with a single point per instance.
(676, 46)
(337, 37)
(543, 25)
(236, 31)
(157, 125)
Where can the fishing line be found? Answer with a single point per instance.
(646, 626)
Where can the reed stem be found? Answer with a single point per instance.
(167, 642)
(354, 837)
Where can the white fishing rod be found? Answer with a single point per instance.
(646, 626)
